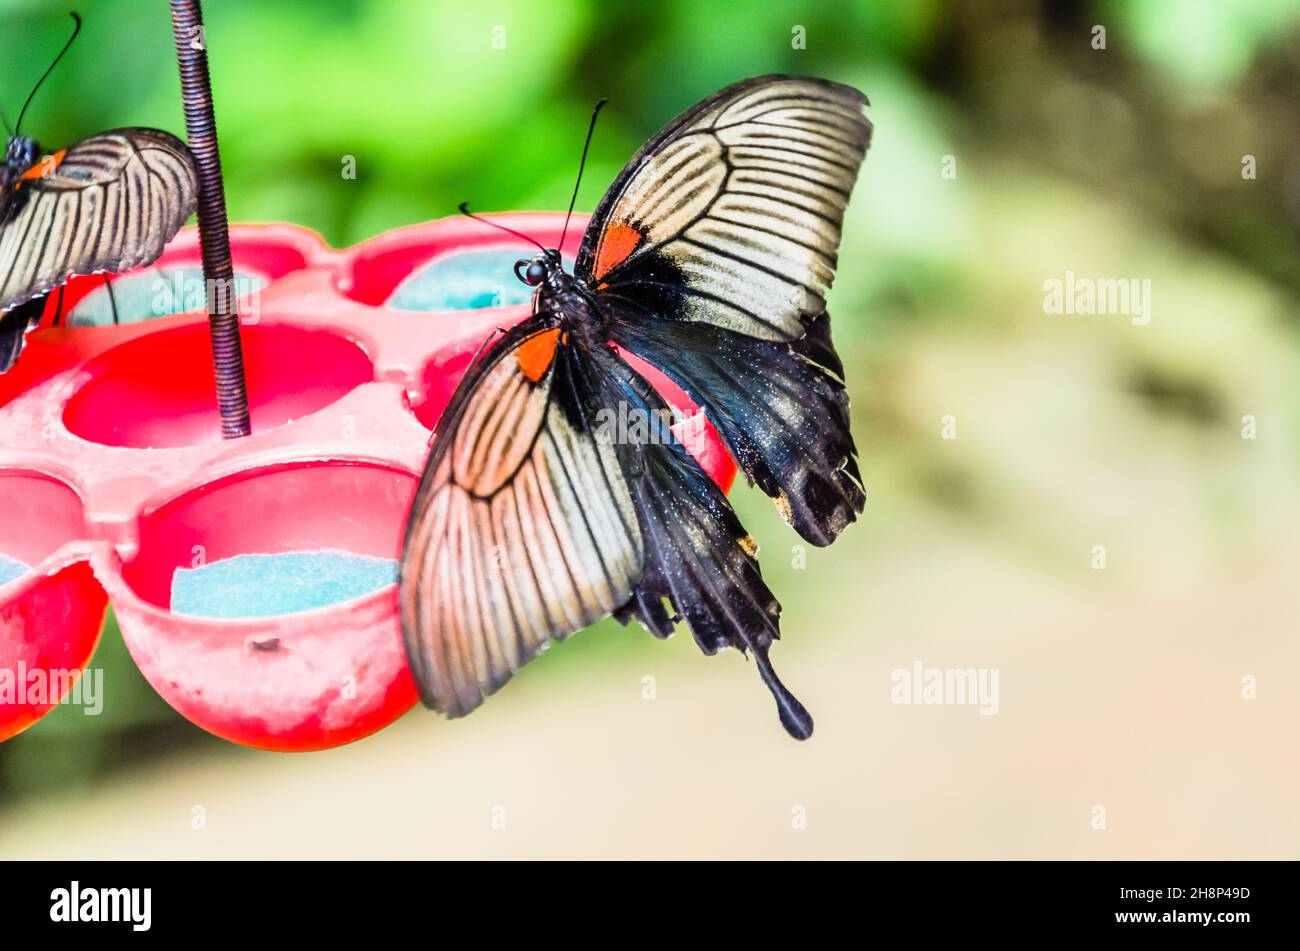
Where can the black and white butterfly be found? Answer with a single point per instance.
(108, 203)
(709, 257)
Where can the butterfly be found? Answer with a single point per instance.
(107, 203)
(709, 258)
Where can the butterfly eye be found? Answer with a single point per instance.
(534, 275)
(526, 271)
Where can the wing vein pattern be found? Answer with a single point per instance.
(741, 201)
(111, 204)
(523, 530)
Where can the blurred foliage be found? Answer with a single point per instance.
(420, 94)
(1128, 159)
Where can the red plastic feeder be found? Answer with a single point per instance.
(112, 461)
(50, 617)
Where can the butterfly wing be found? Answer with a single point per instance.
(108, 203)
(534, 519)
(709, 256)
(700, 565)
(522, 529)
(743, 197)
(713, 252)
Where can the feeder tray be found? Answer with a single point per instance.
(113, 475)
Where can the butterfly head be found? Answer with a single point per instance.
(20, 155)
(540, 269)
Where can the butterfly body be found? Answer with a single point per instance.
(709, 258)
(561, 297)
(21, 153)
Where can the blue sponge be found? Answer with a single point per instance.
(10, 569)
(468, 280)
(155, 292)
(249, 586)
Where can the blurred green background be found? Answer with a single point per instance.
(1121, 687)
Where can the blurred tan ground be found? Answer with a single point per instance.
(1121, 699)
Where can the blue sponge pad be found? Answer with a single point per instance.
(155, 292)
(468, 280)
(249, 586)
(11, 569)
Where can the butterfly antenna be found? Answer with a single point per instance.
(66, 46)
(5, 120)
(464, 210)
(581, 165)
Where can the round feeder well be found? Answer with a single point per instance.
(301, 681)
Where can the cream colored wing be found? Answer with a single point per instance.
(109, 203)
(731, 215)
(522, 529)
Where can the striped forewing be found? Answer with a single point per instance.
(111, 204)
(743, 197)
(522, 531)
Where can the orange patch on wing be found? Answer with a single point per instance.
(620, 240)
(536, 353)
(45, 167)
